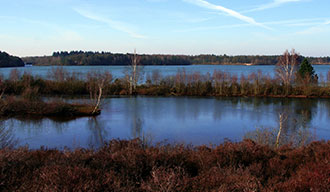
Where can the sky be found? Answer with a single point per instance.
(190, 27)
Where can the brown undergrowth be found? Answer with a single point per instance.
(132, 166)
(16, 107)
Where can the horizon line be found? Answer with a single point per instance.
(174, 54)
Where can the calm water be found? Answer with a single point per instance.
(118, 71)
(187, 120)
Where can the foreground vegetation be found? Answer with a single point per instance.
(134, 166)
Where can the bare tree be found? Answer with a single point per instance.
(282, 118)
(58, 74)
(156, 77)
(14, 75)
(286, 67)
(134, 73)
(96, 83)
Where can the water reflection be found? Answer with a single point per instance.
(190, 120)
(99, 132)
(268, 136)
(136, 120)
(297, 125)
(7, 137)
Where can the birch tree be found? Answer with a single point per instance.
(134, 73)
(96, 83)
(286, 67)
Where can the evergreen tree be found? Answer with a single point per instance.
(306, 70)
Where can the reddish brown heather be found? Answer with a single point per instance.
(133, 166)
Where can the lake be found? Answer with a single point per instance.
(118, 71)
(189, 120)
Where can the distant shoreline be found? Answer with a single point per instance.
(236, 64)
(116, 59)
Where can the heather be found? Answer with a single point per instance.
(133, 165)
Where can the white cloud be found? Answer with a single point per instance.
(315, 22)
(212, 28)
(120, 26)
(156, 1)
(275, 3)
(321, 28)
(230, 12)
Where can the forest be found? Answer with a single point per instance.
(7, 60)
(108, 58)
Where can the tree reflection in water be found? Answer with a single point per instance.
(297, 129)
(99, 132)
(137, 121)
(7, 138)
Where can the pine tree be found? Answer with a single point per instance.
(306, 71)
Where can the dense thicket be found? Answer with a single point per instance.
(106, 58)
(7, 60)
(135, 166)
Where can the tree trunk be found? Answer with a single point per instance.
(98, 100)
(279, 131)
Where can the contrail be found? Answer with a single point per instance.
(275, 3)
(207, 5)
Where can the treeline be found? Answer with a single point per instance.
(7, 60)
(107, 58)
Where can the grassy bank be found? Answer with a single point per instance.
(16, 107)
(134, 166)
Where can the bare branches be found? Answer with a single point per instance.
(134, 74)
(287, 66)
(282, 118)
(96, 82)
(58, 74)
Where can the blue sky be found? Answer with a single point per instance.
(233, 27)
